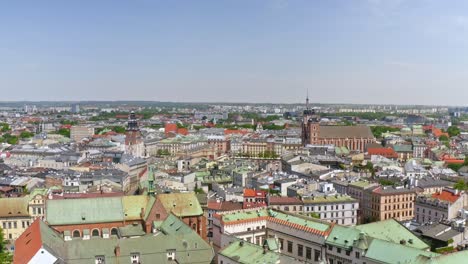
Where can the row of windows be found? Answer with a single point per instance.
(348, 252)
(300, 250)
(37, 210)
(257, 227)
(14, 224)
(397, 214)
(395, 206)
(326, 208)
(429, 212)
(334, 214)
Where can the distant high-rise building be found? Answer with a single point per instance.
(78, 133)
(75, 108)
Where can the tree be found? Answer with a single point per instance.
(377, 131)
(4, 127)
(443, 138)
(64, 132)
(26, 134)
(5, 256)
(453, 131)
(460, 185)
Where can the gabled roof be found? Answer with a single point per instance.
(392, 231)
(84, 211)
(14, 207)
(382, 251)
(181, 204)
(175, 235)
(36, 236)
(446, 196)
(359, 131)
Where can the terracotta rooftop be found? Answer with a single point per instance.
(446, 196)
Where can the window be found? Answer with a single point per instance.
(330, 247)
(4, 225)
(99, 260)
(308, 253)
(249, 229)
(9, 225)
(348, 252)
(170, 254)
(300, 250)
(331, 261)
(114, 231)
(135, 258)
(317, 255)
(76, 233)
(357, 255)
(281, 243)
(95, 233)
(23, 224)
(15, 225)
(290, 246)
(338, 250)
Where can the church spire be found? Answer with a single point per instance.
(307, 100)
(132, 122)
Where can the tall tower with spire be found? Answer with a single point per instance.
(310, 125)
(133, 139)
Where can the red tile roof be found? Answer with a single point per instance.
(446, 196)
(170, 127)
(254, 193)
(249, 205)
(235, 131)
(28, 244)
(385, 152)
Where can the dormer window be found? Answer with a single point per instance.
(170, 254)
(135, 258)
(99, 260)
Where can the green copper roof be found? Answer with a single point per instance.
(344, 237)
(393, 253)
(188, 245)
(36, 191)
(243, 252)
(453, 258)
(181, 204)
(392, 231)
(360, 184)
(245, 215)
(84, 211)
(133, 206)
(329, 199)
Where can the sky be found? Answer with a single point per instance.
(266, 51)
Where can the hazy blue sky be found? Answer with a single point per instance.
(350, 51)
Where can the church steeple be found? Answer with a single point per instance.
(132, 122)
(307, 100)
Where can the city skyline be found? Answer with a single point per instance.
(354, 52)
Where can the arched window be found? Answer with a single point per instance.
(95, 233)
(76, 233)
(114, 231)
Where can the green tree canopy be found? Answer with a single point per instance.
(443, 138)
(453, 131)
(26, 134)
(5, 256)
